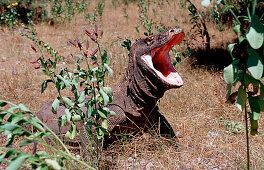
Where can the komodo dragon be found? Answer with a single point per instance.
(148, 75)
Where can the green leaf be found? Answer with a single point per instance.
(112, 113)
(241, 39)
(254, 126)
(82, 97)
(104, 96)
(44, 85)
(252, 80)
(206, 3)
(13, 109)
(237, 29)
(255, 64)
(66, 82)
(76, 118)
(67, 101)
(15, 164)
(255, 107)
(23, 108)
(261, 105)
(67, 115)
(102, 114)
(55, 105)
(241, 99)
(71, 133)
(108, 69)
(89, 111)
(189, 51)
(228, 8)
(62, 121)
(255, 35)
(109, 92)
(25, 142)
(53, 164)
(99, 132)
(38, 126)
(230, 48)
(104, 124)
(3, 103)
(230, 73)
(9, 126)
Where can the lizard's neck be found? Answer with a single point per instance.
(138, 92)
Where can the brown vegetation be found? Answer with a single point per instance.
(197, 111)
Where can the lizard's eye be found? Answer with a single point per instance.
(172, 31)
(149, 40)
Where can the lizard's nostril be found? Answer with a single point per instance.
(172, 31)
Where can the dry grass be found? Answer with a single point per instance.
(192, 110)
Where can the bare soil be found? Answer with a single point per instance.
(197, 111)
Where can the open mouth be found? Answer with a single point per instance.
(159, 61)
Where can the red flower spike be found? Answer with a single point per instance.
(32, 62)
(120, 38)
(33, 48)
(87, 45)
(85, 53)
(101, 34)
(87, 32)
(70, 41)
(37, 66)
(95, 51)
(94, 62)
(92, 38)
(78, 43)
(95, 30)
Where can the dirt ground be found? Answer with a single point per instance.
(211, 133)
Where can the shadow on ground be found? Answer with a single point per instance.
(214, 60)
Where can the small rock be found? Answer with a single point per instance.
(149, 165)
(4, 59)
(14, 72)
(178, 134)
(211, 133)
(20, 29)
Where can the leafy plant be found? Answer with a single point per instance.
(98, 11)
(30, 11)
(198, 24)
(231, 126)
(247, 67)
(90, 95)
(14, 123)
(9, 15)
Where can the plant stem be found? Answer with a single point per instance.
(237, 20)
(248, 156)
(56, 137)
(254, 3)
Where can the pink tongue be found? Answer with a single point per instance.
(174, 78)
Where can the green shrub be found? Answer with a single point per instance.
(89, 93)
(33, 11)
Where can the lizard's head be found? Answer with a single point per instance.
(152, 55)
